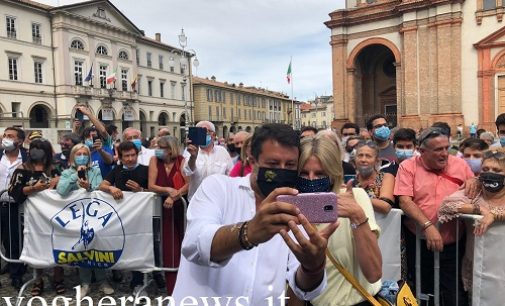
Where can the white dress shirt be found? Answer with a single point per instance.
(253, 277)
(6, 170)
(217, 161)
(145, 156)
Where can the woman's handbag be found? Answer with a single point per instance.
(404, 296)
(178, 179)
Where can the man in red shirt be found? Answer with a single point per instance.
(422, 183)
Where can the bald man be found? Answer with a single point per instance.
(205, 160)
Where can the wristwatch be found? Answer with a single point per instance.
(356, 225)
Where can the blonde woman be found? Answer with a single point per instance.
(354, 244)
(82, 175)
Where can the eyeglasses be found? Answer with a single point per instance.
(493, 154)
(368, 143)
(431, 134)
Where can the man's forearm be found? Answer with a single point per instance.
(225, 243)
(107, 158)
(413, 211)
(308, 281)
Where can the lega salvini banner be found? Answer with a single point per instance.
(89, 230)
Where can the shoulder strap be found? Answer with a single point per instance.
(452, 179)
(350, 278)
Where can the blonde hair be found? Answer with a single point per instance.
(172, 142)
(328, 154)
(77, 147)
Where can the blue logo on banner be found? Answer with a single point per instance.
(101, 237)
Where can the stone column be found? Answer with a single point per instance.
(339, 58)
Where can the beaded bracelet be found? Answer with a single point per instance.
(243, 239)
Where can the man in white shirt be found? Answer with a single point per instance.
(233, 254)
(206, 160)
(135, 136)
(11, 156)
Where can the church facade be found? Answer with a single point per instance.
(419, 62)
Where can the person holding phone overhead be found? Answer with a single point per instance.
(80, 174)
(354, 243)
(35, 175)
(205, 159)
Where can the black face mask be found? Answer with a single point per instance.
(492, 182)
(37, 155)
(268, 179)
(231, 148)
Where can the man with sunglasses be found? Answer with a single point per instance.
(422, 182)
(378, 128)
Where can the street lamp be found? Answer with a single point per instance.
(183, 42)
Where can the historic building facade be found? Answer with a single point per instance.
(54, 58)
(235, 107)
(318, 113)
(419, 61)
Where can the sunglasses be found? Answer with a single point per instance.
(368, 143)
(432, 134)
(493, 154)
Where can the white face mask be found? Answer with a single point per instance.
(8, 144)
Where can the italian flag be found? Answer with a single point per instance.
(288, 75)
(111, 78)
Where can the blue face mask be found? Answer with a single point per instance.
(81, 160)
(160, 153)
(137, 143)
(208, 140)
(502, 141)
(317, 185)
(475, 164)
(89, 143)
(382, 133)
(403, 154)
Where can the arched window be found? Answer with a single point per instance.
(77, 44)
(101, 50)
(123, 55)
(163, 119)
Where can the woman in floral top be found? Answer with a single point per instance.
(377, 184)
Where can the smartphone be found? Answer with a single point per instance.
(197, 135)
(81, 174)
(348, 177)
(79, 115)
(319, 207)
(95, 138)
(44, 178)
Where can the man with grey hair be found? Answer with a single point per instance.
(205, 160)
(422, 182)
(135, 136)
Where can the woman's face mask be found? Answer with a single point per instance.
(305, 185)
(492, 182)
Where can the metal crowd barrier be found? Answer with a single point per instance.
(158, 216)
(5, 202)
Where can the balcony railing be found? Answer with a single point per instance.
(103, 93)
(11, 34)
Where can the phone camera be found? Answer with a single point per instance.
(328, 208)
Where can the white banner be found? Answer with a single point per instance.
(89, 230)
(488, 267)
(389, 243)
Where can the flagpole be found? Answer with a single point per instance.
(292, 98)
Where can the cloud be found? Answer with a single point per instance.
(249, 41)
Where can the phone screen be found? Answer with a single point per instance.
(198, 136)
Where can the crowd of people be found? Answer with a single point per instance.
(234, 219)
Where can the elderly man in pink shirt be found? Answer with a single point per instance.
(422, 183)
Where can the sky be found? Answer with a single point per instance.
(248, 41)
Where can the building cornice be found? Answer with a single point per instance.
(380, 11)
